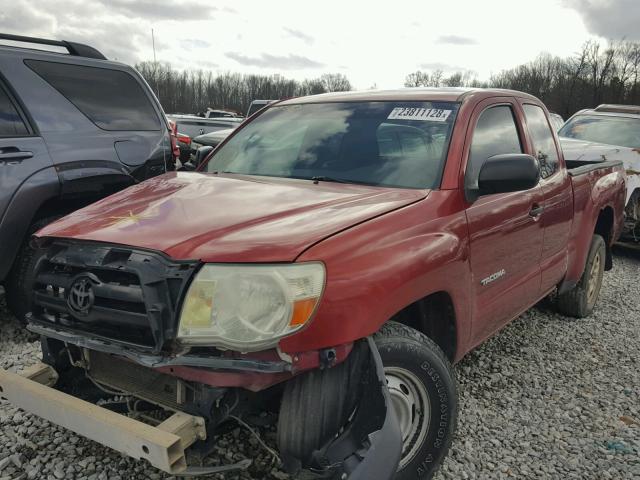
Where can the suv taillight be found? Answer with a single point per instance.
(173, 134)
(182, 138)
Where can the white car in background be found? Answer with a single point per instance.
(609, 132)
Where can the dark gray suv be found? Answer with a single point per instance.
(74, 128)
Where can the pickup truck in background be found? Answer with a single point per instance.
(214, 138)
(609, 132)
(257, 105)
(193, 125)
(345, 251)
(213, 113)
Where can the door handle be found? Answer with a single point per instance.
(536, 210)
(16, 155)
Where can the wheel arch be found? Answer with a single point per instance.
(434, 315)
(604, 227)
(42, 196)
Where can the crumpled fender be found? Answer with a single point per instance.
(370, 447)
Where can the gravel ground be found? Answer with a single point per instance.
(547, 398)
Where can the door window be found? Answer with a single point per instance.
(11, 125)
(495, 134)
(543, 142)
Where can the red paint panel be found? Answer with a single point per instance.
(228, 218)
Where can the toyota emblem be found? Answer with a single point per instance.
(81, 296)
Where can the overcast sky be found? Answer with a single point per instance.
(372, 42)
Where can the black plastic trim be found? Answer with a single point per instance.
(157, 281)
(591, 166)
(154, 361)
(371, 445)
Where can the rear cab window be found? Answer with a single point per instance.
(495, 133)
(542, 137)
(112, 99)
(384, 143)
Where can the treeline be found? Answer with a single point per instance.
(596, 74)
(195, 91)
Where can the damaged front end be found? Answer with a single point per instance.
(173, 423)
(167, 404)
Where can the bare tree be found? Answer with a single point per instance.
(416, 79)
(335, 82)
(594, 75)
(195, 91)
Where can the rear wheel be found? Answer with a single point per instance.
(580, 301)
(424, 395)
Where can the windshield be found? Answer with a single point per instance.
(621, 131)
(394, 144)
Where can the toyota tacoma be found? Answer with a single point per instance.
(328, 263)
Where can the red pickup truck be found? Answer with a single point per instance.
(330, 261)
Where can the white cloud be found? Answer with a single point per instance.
(372, 42)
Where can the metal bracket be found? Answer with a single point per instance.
(41, 373)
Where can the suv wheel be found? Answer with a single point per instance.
(19, 284)
(579, 301)
(424, 395)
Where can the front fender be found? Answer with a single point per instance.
(370, 447)
(381, 266)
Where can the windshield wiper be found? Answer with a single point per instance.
(324, 178)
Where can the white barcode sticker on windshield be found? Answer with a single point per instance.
(423, 114)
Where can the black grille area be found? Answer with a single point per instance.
(111, 292)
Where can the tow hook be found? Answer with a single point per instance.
(328, 358)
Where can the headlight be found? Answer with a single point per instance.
(249, 307)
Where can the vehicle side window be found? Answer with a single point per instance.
(495, 134)
(111, 99)
(11, 125)
(542, 137)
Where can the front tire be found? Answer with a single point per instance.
(424, 395)
(19, 284)
(580, 301)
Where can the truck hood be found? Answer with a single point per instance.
(583, 151)
(229, 218)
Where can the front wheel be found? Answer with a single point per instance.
(424, 396)
(579, 301)
(19, 285)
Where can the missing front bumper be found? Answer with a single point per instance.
(162, 446)
(368, 448)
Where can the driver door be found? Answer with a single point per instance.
(505, 232)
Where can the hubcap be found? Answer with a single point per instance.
(594, 279)
(410, 402)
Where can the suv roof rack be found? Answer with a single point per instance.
(75, 49)
(618, 108)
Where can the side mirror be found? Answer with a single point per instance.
(511, 172)
(201, 154)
